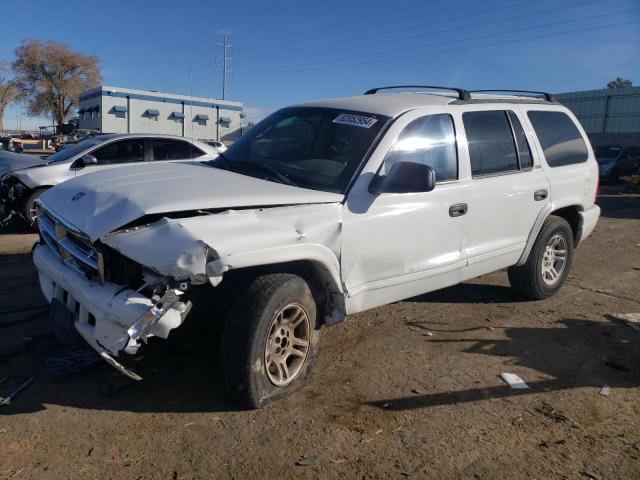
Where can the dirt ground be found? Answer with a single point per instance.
(406, 390)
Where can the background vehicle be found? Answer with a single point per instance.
(616, 161)
(321, 210)
(218, 145)
(21, 188)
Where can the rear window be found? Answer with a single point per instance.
(560, 139)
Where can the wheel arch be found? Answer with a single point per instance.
(571, 213)
(316, 264)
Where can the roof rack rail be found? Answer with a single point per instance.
(548, 96)
(462, 93)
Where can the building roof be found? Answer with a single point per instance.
(153, 95)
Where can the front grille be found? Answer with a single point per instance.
(72, 247)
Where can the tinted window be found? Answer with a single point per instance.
(524, 152)
(429, 140)
(173, 150)
(71, 149)
(491, 145)
(317, 148)
(124, 151)
(560, 139)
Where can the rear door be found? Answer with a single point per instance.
(507, 191)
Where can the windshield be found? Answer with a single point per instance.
(310, 147)
(607, 151)
(71, 150)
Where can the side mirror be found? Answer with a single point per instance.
(405, 177)
(84, 161)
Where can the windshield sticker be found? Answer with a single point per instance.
(355, 120)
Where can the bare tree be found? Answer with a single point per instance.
(50, 77)
(8, 90)
(620, 82)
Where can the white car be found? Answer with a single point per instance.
(218, 145)
(321, 210)
(19, 189)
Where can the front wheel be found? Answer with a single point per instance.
(29, 207)
(549, 261)
(270, 339)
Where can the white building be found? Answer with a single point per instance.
(123, 110)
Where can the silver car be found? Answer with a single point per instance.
(21, 186)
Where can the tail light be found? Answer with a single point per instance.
(595, 197)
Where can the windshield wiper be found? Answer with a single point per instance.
(266, 168)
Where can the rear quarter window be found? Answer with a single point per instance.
(559, 137)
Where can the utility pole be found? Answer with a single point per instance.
(225, 65)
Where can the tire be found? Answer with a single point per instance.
(534, 278)
(28, 207)
(249, 365)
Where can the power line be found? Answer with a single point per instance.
(431, 33)
(421, 26)
(351, 20)
(330, 63)
(458, 49)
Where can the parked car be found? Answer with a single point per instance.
(321, 210)
(11, 143)
(616, 161)
(20, 189)
(218, 145)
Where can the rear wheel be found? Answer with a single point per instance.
(29, 207)
(549, 262)
(270, 339)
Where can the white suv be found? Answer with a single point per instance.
(321, 210)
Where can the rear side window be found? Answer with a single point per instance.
(491, 145)
(173, 150)
(560, 139)
(429, 140)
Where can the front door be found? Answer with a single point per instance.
(396, 246)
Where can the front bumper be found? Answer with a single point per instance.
(112, 319)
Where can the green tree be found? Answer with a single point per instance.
(50, 77)
(620, 82)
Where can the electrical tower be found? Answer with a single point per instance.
(225, 64)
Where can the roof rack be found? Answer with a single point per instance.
(462, 94)
(548, 96)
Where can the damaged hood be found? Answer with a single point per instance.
(10, 162)
(100, 202)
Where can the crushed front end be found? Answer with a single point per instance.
(114, 303)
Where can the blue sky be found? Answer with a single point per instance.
(289, 51)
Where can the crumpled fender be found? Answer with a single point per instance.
(203, 248)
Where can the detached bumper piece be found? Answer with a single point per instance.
(111, 319)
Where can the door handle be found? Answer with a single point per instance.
(540, 195)
(457, 210)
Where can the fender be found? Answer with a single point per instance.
(325, 263)
(547, 210)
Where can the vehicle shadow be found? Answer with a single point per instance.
(573, 353)
(472, 293)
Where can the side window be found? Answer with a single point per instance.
(491, 143)
(560, 139)
(524, 152)
(173, 150)
(125, 151)
(429, 140)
